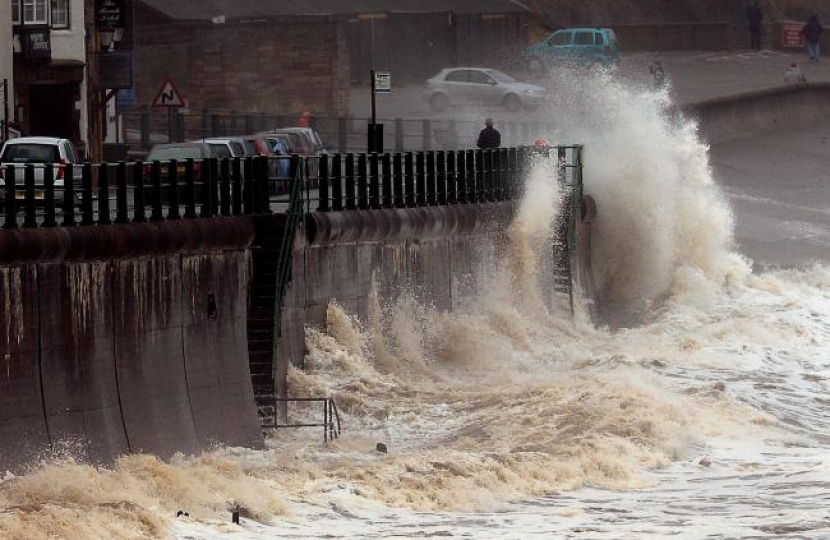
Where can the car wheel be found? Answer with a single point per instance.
(439, 102)
(512, 103)
(534, 65)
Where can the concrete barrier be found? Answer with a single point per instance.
(127, 338)
(744, 115)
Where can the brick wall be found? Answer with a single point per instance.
(292, 65)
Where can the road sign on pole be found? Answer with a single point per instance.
(383, 82)
(169, 96)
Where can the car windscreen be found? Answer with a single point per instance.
(238, 149)
(175, 152)
(220, 150)
(501, 77)
(31, 153)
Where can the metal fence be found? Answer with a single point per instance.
(106, 193)
(147, 127)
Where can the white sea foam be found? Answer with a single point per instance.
(508, 419)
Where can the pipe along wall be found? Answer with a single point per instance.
(127, 338)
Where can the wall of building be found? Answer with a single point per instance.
(6, 51)
(295, 65)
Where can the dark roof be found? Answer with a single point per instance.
(196, 10)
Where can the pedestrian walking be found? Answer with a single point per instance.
(794, 74)
(489, 136)
(755, 16)
(658, 74)
(812, 38)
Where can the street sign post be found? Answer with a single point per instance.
(381, 84)
(169, 97)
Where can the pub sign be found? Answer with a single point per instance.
(36, 43)
(110, 13)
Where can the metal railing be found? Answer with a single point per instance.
(103, 194)
(146, 127)
(331, 417)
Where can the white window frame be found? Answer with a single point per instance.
(61, 7)
(35, 6)
(16, 11)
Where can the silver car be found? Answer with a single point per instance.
(482, 86)
(40, 151)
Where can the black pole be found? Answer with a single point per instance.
(374, 107)
(5, 109)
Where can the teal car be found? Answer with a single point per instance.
(574, 46)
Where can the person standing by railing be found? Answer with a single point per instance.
(812, 38)
(489, 136)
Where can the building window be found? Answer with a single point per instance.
(15, 11)
(60, 14)
(34, 12)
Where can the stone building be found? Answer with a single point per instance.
(49, 67)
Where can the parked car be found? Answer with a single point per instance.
(482, 86)
(574, 46)
(40, 151)
(313, 142)
(228, 147)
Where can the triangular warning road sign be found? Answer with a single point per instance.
(168, 96)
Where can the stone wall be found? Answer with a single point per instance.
(298, 64)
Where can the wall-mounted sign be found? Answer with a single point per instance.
(115, 70)
(36, 43)
(383, 82)
(109, 13)
(792, 36)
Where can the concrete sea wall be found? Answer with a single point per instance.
(127, 338)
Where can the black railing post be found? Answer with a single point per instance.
(263, 203)
(323, 189)
(490, 171)
(398, 181)
(374, 181)
(351, 203)
(173, 189)
(208, 188)
(190, 188)
(248, 185)
(68, 195)
(236, 187)
(441, 178)
(225, 187)
(29, 204)
(386, 184)
(337, 183)
(362, 183)
(451, 189)
(87, 210)
(409, 179)
(420, 179)
(481, 180)
(461, 176)
(49, 196)
(157, 201)
(122, 210)
(104, 217)
(139, 192)
(9, 202)
(431, 195)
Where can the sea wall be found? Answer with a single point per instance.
(124, 338)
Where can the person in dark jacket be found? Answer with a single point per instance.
(489, 136)
(812, 38)
(755, 16)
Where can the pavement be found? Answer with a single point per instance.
(694, 76)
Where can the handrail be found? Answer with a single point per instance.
(331, 417)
